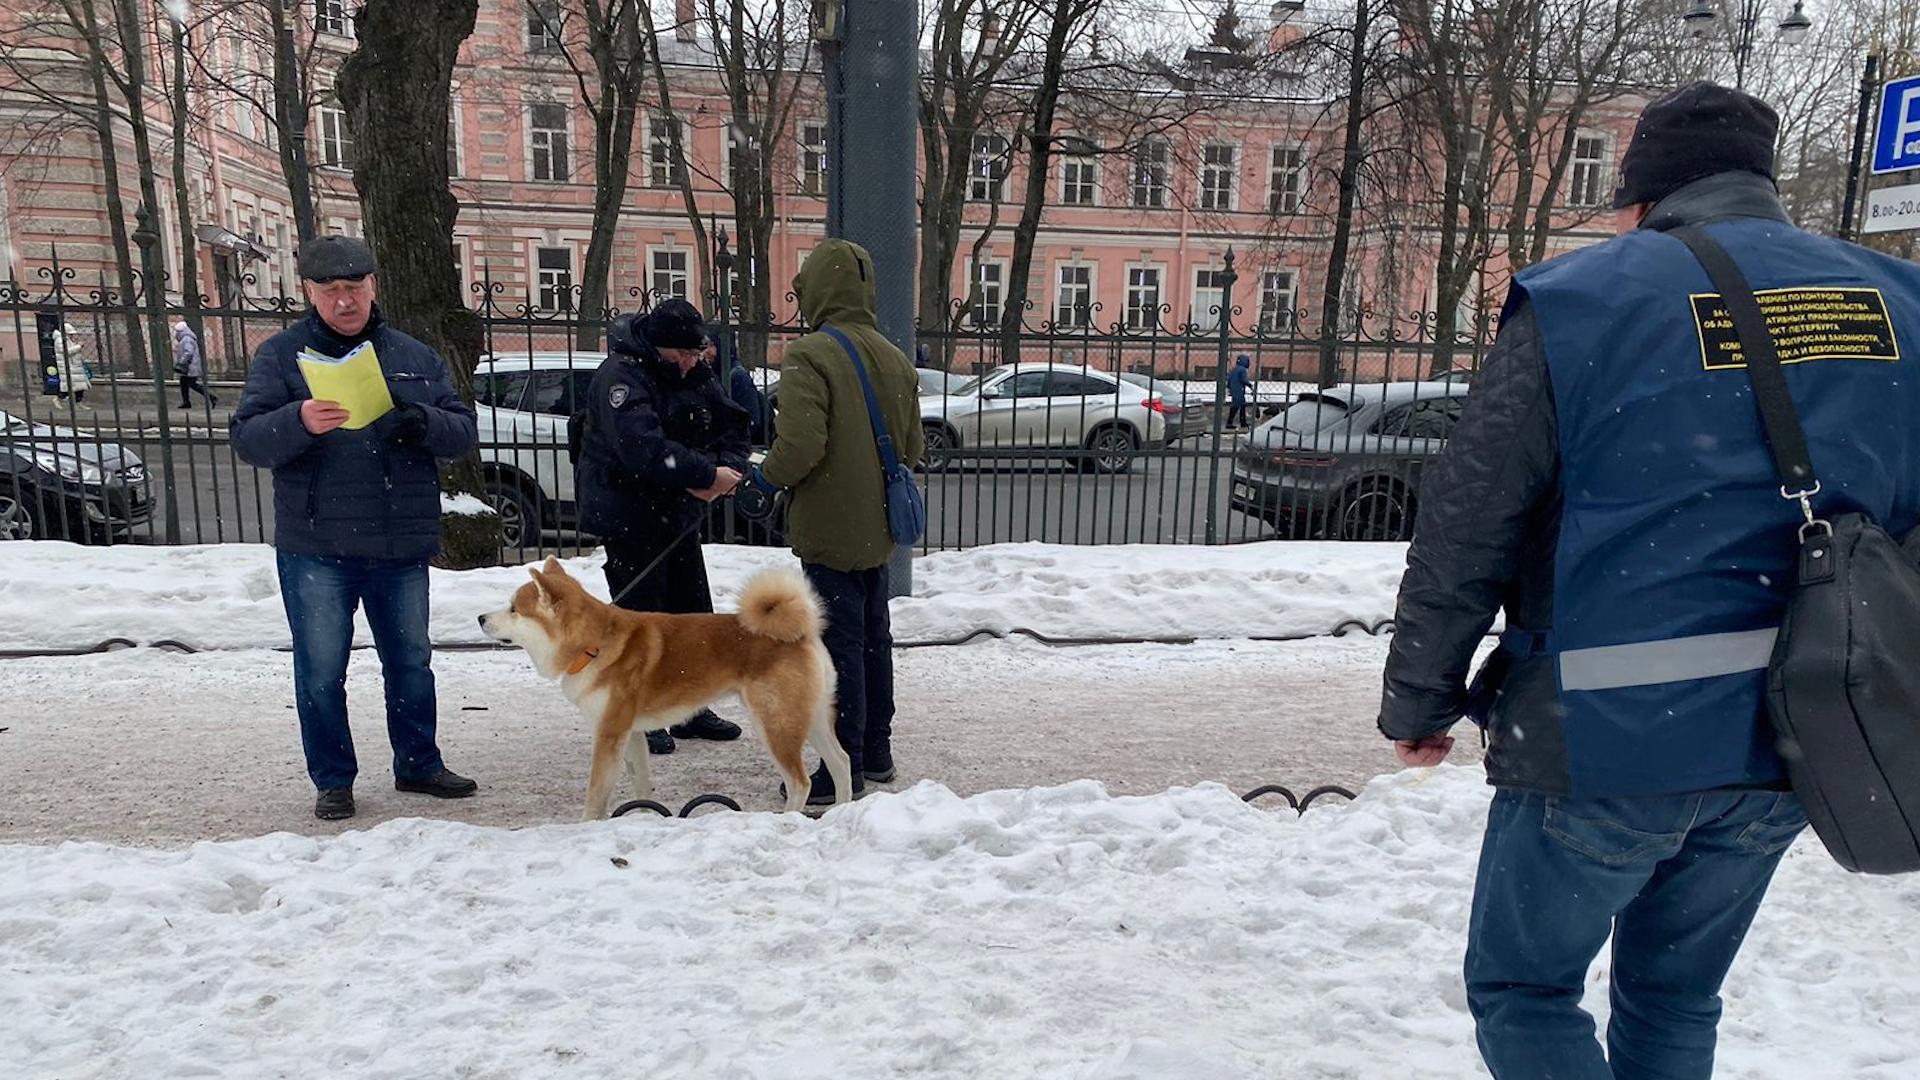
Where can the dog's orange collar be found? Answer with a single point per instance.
(586, 658)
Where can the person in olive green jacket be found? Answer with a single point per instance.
(824, 451)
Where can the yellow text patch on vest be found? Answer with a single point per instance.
(1807, 323)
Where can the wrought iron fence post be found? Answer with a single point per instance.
(1219, 399)
(146, 238)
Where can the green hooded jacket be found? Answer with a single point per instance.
(824, 442)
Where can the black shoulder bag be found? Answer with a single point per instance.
(1843, 687)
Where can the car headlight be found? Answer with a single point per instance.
(71, 469)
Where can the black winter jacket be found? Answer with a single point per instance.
(649, 435)
(1487, 533)
(370, 493)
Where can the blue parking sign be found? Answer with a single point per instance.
(1896, 147)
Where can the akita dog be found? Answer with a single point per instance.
(641, 671)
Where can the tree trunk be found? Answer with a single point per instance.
(116, 201)
(1066, 17)
(189, 248)
(133, 58)
(290, 115)
(1349, 184)
(394, 88)
(619, 59)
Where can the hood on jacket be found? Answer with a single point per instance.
(836, 285)
(624, 337)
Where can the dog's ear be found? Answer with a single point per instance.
(540, 585)
(553, 567)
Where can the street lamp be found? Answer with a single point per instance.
(1702, 15)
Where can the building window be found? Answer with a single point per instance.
(989, 183)
(1073, 298)
(1150, 167)
(987, 293)
(330, 17)
(1277, 299)
(554, 278)
(1143, 297)
(1079, 181)
(1284, 180)
(1474, 167)
(670, 277)
(1219, 163)
(664, 167)
(547, 131)
(336, 142)
(543, 26)
(1589, 170)
(813, 159)
(453, 140)
(1209, 298)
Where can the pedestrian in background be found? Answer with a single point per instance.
(1239, 382)
(190, 365)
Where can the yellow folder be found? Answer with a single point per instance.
(353, 381)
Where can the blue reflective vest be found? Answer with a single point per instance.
(1676, 550)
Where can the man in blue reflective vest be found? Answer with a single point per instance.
(1609, 487)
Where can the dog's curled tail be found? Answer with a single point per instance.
(779, 604)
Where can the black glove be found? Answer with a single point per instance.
(406, 425)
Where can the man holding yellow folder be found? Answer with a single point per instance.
(350, 414)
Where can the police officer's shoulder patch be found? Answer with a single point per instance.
(617, 394)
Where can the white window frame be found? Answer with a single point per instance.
(1152, 169)
(812, 162)
(1082, 172)
(1286, 190)
(543, 37)
(1587, 177)
(1074, 316)
(334, 142)
(1277, 306)
(456, 144)
(988, 313)
(681, 277)
(1139, 315)
(661, 172)
(553, 286)
(1205, 298)
(1219, 181)
(332, 17)
(541, 140)
(987, 170)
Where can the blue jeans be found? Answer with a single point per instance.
(1676, 879)
(321, 593)
(859, 636)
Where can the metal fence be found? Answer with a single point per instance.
(1088, 431)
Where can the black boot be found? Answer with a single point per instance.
(659, 742)
(705, 725)
(878, 767)
(334, 804)
(445, 784)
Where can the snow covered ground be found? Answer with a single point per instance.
(1056, 932)
(993, 914)
(57, 595)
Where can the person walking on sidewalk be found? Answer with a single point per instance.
(824, 450)
(356, 518)
(71, 367)
(1239, 381)
(1611, 486)
(659, 439)
(190, 366)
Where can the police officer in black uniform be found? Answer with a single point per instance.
(660, 439)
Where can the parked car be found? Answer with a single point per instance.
(523, 401)
(60, 484)
(1187, 414)
(1346, 462)
(1090, 416)
(940, 383)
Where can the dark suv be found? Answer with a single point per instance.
(1345, 463)
(61, 484)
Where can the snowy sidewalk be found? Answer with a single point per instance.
(151, 747)
(1056, 933)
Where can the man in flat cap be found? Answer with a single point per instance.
(356, 518)
(1610, 486)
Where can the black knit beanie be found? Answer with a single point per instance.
(1695, 131)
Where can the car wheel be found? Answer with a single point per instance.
(17, 521)
(1376, 511)
(1111, 449)
(519, 512)
(938, 452)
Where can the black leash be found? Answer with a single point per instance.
(655, 564)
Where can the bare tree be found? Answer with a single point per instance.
(679, 174)
(182, 109)
(395, 88)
